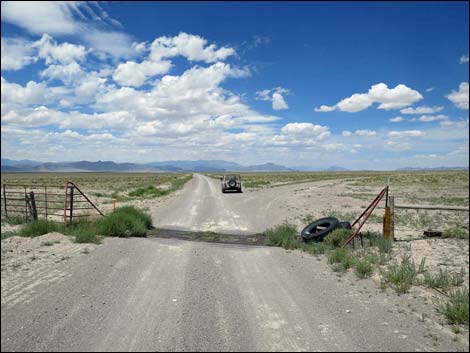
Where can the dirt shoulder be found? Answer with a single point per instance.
(29, 264)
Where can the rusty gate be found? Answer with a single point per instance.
(58, 203)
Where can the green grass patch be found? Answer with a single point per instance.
(315, 248)
(9, 234)
(40, 227)
(457, 233)
(401, 276)
(149, 192)
(444, 279)
(341, 259)
(125, 221)
(455, 308)
(376, 239)
(363, 268)
(15, 220)
(337, 237)
(256, 184)
(284, 235)
(84, 231)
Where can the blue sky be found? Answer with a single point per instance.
(364, 85)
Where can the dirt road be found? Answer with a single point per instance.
(202, 206)
(173, 295)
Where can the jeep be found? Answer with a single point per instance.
(231, 182)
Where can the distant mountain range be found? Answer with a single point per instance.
(214, 166)
(203, 166)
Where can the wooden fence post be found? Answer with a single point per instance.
(33, 205)
(25, 204)
(5, 201)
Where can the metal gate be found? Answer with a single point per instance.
(56, 203)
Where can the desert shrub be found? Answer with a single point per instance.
(315, 248)
(401, 276)
(85, 231)
(363, 268)
(455, 308)
(341, 259)
(124, 222)
(378, 240)
(87, 237)
(337, 237)
(15, 220)
(444, 279)
(284, 235)
(40, 227)
(142, 216)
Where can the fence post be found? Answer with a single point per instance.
(25, 204)
(392, 217)
(5, 201)
(45, 199)
(65, 202)
(71, 203)
(33, 205)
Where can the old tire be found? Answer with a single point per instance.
(319, 229)
(232, 183)
(345, 225)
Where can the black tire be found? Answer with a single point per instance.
(345, 225)
(232, 183)
(319, 229)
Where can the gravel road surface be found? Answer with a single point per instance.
(151, 294)
(202, 206)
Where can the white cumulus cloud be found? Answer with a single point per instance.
(193, 47)
(275, 95)
(325, 109)
(406, 133)
(460, 97)
(429, 118)
(422, 110)
(388, 98)
(464, 59)
(134, 74)
(396, 119)
(16, 53)
(52, 52)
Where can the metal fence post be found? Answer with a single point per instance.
(392, 217)
(45, 199)
(5, 201)
(65, 202)
(71, 203)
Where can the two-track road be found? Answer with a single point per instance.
(162, 294)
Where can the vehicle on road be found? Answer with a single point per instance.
(231, 182)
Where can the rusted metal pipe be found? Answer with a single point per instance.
(369, 211)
